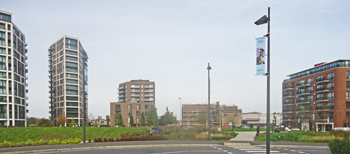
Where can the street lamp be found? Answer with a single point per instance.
(181, 112)
(264, 20)
(208, 68)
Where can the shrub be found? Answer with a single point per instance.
(339, 146)
(54, 141)
(111, 140)
(29, 142)
(105, 140)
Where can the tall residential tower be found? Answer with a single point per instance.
(13, 80)
(67, 79)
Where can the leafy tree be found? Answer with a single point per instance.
(43, 122)
(119, 119)
(73, 123)
(62, 119)
(32, 120)
(152, 117)
(142, 118)
(107, 118)
(202, 118)
(131, 121)
(168, 118)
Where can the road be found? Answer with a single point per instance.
(219, 149)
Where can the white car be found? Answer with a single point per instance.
(342, 128)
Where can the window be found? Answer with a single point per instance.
(72, 103)
(71, 44)
(138, 113)
(348, 74)
(137, 120)
(3, 50)
(72, 92)
(330, 115)
(70, 69)
(310, 98)
(319, 106)
(330, 86)
(2, 74)
(348, 95)
(319, 87)
(301, 82)
(293, 85)
(71, 75)
(293, 93)
(285, 116)
(347, 115)
(5, 17)
(130, 113)
(2, 38)
(72, 81)
(319, 78)
(72, 98)
(348, 105)
(309, 80)
(310, 89)
(2, 26)
(72, 87)
(117, 108)
(71, 58)
(69, 52)
(330, 105)
(347, 84)
(330, 96)
(330, 76)
(319, 96)
(130, 107)
(70, 64)
(146, 107)
(138, 107)
(225, 115)
(3, 99)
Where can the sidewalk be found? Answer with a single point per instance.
(244, 136)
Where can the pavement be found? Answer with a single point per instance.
(244, 136)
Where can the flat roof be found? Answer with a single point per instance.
(318, 66)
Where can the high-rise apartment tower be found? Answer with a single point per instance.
(67, 79)
(13, 79)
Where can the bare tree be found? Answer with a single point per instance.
(91, 116)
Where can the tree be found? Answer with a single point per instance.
(32, 120)
(43, 122)
(73, 123)
(91, 116)
(131, 121)
(107, 118)
(62, 119)
(202, 118)
(152, 117)
(143, 118)
(168, 118)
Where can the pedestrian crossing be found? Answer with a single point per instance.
(255, 150)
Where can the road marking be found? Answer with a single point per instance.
(219, 149)
(301, 152)
(175, 152)
(224, 150)
(292, 150)
(229, 153)
(260, 151)
(201, 151)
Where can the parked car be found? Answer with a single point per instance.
(342, 128)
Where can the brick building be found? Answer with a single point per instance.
(135, 97)
(219, 115)
(318, 98)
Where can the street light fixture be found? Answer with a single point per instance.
(181, 112)
(264, 20)
(208, 68)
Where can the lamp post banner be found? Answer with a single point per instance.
(260, 55)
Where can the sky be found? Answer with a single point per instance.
(171, 43)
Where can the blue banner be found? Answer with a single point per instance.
(156, 130)
(260, 56)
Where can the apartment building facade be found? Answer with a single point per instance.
(219, 115)
(13, 78)
(68, 79)
(254, 119)
(318, 98)
(135, 97)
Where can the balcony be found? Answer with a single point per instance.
(288, 111)
(121, 91)
(322, 80)
(135, 91)
(303, 93)
(122, 87)
(287, 88)
(304, 101)
(322, 100)
(303, 85)
(148, 90)
(148, 86)
(135, 86)
(320, 90)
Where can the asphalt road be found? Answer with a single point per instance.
(220, 149)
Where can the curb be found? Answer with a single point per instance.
(109, 147)
(296, 146)
(236, 144)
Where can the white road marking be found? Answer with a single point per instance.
(175, 152)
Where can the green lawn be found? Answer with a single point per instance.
(22, 134)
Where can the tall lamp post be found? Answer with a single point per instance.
(264, 20)
(208, 68)
(181, 112)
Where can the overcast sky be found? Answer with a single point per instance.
(171, 42)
